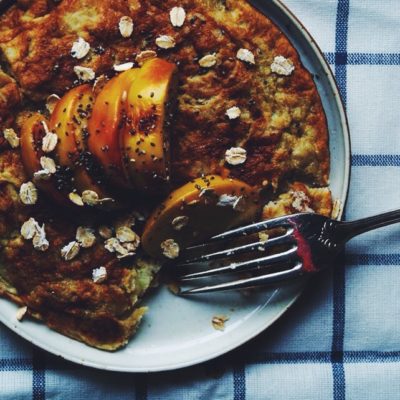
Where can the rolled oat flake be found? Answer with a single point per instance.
(84, 74)
(80, 48)
(208, 61)
(180, 222)
(11, 137)
(170, 249)
(125, 26)
(49, 142)
(177, 16)
(165, 42)
(70, 251)
(236, 156)
(28, 193)
(99, 275)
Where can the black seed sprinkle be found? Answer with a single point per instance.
(99, 50)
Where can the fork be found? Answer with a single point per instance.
(307, 243)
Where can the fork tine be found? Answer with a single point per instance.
(256, 281)
(253, 228)
(244, 266)
(245, 230)
(254, 246)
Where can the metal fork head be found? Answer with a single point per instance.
(300, 244)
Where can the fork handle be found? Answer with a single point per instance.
(348, 230)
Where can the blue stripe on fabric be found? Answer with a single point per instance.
(16, 364)
(308, 357)
(342, 27)
(325, 357)
(339, 379)
(341, 58)
(239, 382)
(364, 58)
(373, 259)
(330, 57)
(337, 357)
(38, 375)
(372, 356)
(341, 79)
(375, 160)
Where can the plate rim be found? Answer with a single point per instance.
(345, 133)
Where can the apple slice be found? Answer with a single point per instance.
(108, 118)
(32, 133)
(145, 140)
(69, 121)
(199, 210)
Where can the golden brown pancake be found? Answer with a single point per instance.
(61, 292)
(282, 127)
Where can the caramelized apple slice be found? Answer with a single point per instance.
(199, 210)
(32, 133)
(145, 140)
(108, 118)
(69, 121)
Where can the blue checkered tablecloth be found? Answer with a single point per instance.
(342, 339)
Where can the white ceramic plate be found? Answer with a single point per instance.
(177, 332)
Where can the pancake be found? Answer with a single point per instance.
(282, 127)
(10, 98)
(61, 292)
